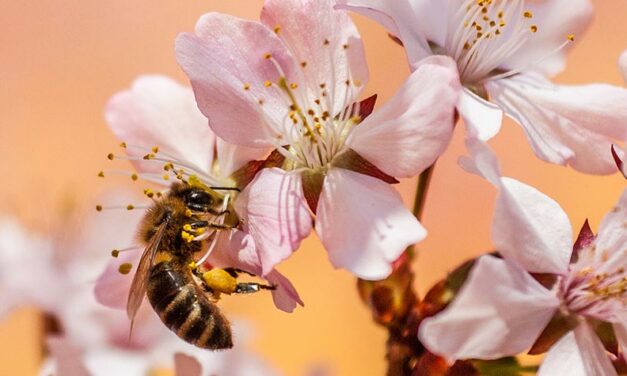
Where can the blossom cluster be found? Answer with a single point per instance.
(274, 112)
(274, 119)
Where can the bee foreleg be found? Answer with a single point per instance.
(251, 287)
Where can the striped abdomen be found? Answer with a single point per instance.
(184, 308)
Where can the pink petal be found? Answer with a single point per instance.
(285, 296)
(318, 35)
(400, 18)
(275, 214)
(482, 118)
(225, 61)
(185, 365)
(579, 353)
(158, 111)
(566, 124)
(556, 19)
(363, 224)
(622, 63)
(528, 226)
(412, 129)
(500, 311)
(112, 287)
(68, 357)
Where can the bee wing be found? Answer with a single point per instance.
(138, 286)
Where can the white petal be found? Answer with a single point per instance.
(556, 19)
(232, 157)
(363, 224)
(595, 359)
(500, 311)
(572, 125)
(158, 111)
(482, 118)
(412, 129)
(401, 19)
(563, 358)
(482, 161)
(611, 241)
(531, 228)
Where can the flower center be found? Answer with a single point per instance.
(595, 288)
(484, 33)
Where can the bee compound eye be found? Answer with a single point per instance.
(198, 199)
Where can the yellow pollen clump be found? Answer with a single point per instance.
(187, 227)
(125, 268)
(188, 213)
(187, 236)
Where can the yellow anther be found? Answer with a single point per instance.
(571, 37)
(101, 174)
(357, 83)
(267, 56)
(149, 156)
(99, 207)
(168, 166)
(293, 85)
(155, 149)
(528, 14)
(246, 86)
(192, 265)
(130, 207)
(123, 145)
(267, 84)
(166, 177)
(125, 268)
(277, 29)
(110, 156)
(148, 192)
(134, 177)
(115, 253)
(533, 28)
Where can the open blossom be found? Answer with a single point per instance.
(166, 138)
(505, 50)
(290, 83)
(502, 309)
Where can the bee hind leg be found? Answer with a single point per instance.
(252, 287)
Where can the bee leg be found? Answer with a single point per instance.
(235, 272)
(251, 287)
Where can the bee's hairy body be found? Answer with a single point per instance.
(183, 306)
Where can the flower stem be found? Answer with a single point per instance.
(393, 301)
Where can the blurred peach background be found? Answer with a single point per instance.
(60, 60)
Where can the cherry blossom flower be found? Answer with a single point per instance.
(622, 62)
(505, 50)
(502, 309)
(290, 83)
(166, 137)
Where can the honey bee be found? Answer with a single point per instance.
(181, 294)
